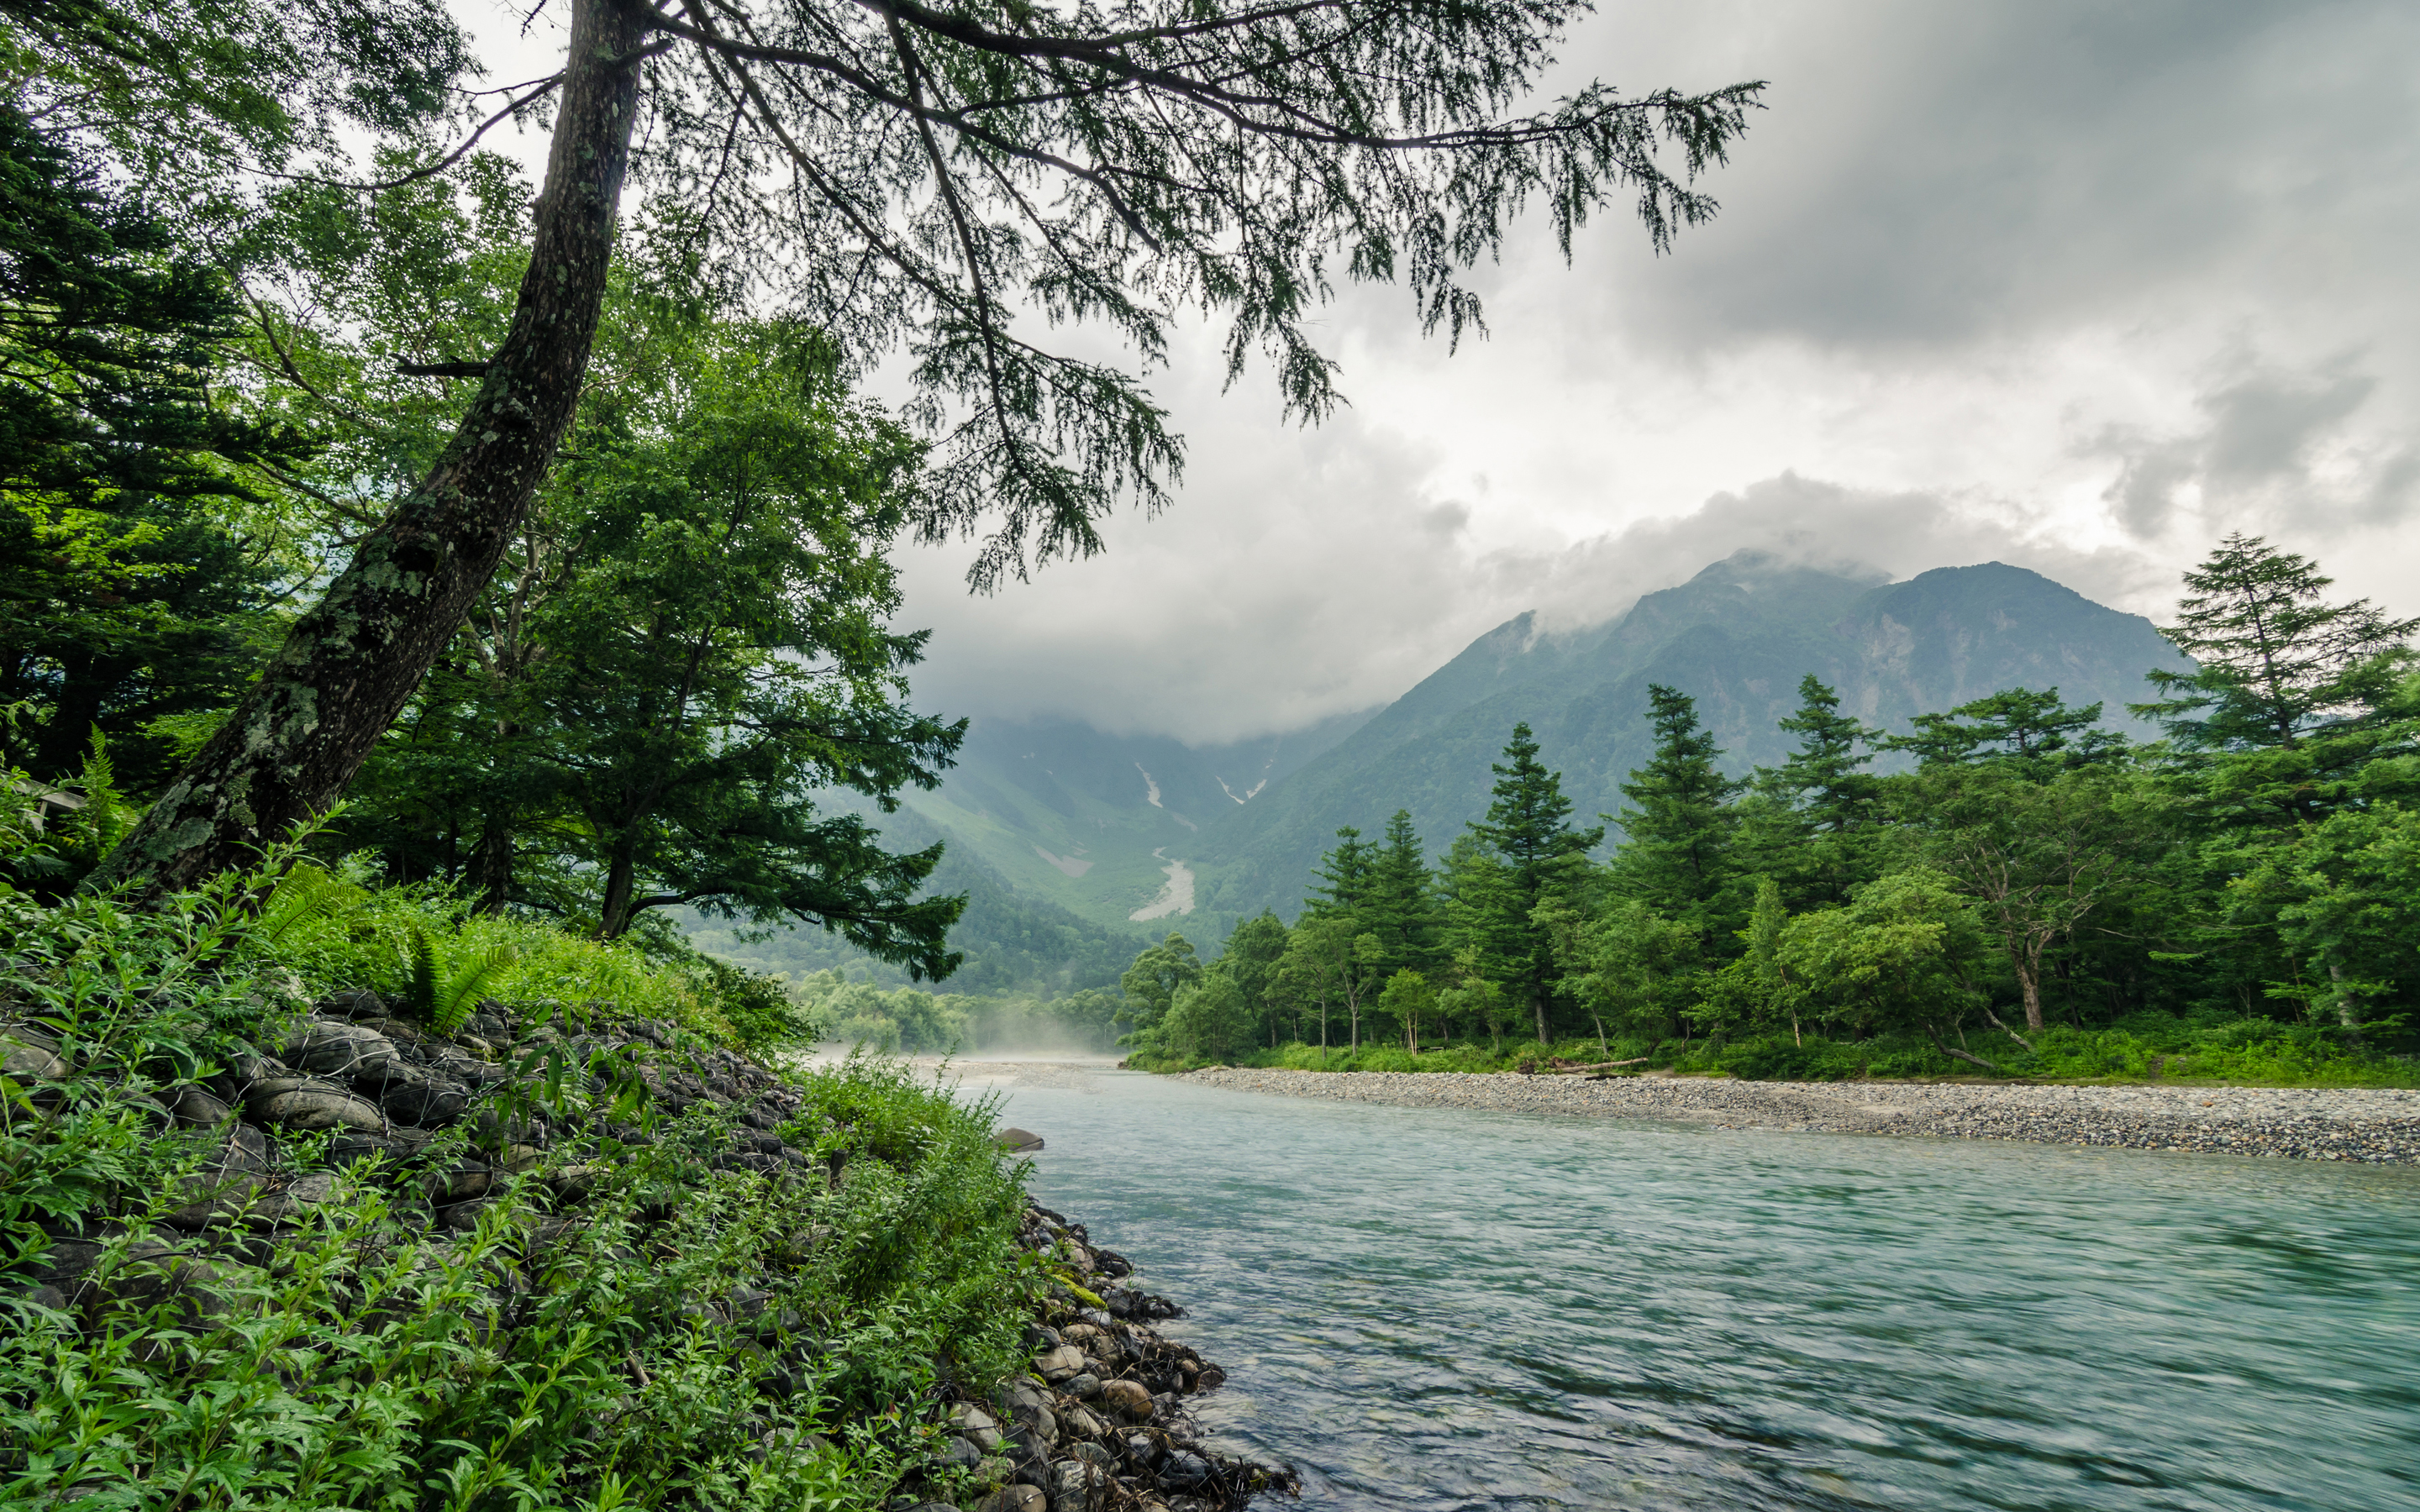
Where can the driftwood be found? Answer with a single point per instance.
(1560, 1070)
(1934, 1035)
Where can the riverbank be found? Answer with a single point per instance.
(2376, 1126)
(1102, 1417)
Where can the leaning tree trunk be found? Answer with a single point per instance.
(349, 664)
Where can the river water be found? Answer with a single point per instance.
(1441, 1308)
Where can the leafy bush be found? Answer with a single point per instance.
(685, 1335)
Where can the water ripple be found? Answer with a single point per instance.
(1450, 1309)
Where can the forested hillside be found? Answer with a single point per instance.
(1736, 638)
(2030, 892)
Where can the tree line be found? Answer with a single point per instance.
(1999, 870)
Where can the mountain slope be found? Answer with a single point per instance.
(1738, 638)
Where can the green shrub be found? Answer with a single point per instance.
(586, 1357)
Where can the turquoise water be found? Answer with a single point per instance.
(1443, 1309)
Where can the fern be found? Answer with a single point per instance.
(305, 895)
(443, 988)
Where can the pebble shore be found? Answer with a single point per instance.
(2376, 1126)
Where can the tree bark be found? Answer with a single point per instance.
(351, 662)
(491, 865)
(2029, 982)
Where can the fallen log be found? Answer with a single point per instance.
(1561, 1069)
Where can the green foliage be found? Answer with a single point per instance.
(1678, 832)
(693, 645)
(526, 1362)
(1538, 855)
(1906, 953)
(2277, 662)
(130, 590)
(1208, 1020)
(443, 984)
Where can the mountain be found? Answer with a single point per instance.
(1060, 835)
(1737, 637)
(1075, 846)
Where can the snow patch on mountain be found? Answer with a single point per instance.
(1066, 863)
(1175, 897)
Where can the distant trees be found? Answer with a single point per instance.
(2023, 863)
(1537, 856)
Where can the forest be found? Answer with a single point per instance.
(2018, 891)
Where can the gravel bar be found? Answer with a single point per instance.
(2374, 1125)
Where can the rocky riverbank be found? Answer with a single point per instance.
(1101, 1419)
(2370, 1125)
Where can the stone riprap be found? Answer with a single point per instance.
(2374, 1125)
(1100, 1422)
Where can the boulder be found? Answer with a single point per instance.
(303, 1105)
(1128, 1398)
(218, 1199)
(335, 1048)
(25, 1054)
(1018, 1141)
(976, 1424)
(197, 1109)
(1016, 1499)
(1084, 1387)
(411, 1095)
(1083, 1424)
(1064, 1363)
(958, 1453)
(1184, 1470)
(1078, 1485)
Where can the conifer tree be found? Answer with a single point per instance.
(2276, 659)
(1529, 827)
(2025, 726)
(1678, 830)
(1344, 876)
(1816, 818)
(901, 175)
(1400, 904)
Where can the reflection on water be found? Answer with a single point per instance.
(1436, 1308)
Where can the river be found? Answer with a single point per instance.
(1443, 1309)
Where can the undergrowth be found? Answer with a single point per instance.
(2145, 1047)
(683, 1336)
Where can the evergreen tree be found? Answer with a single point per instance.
(2276, 659)
(1527, 827)
(2021, 725)
(1825, 777)
(1816, 819)
(1678, 829)
(1399, 904)
(1344, 877)
(128, 593)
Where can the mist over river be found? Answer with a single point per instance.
(1443, 1309)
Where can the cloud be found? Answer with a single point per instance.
(2270, 446)
(1932, 173)
(1216, 628)
(2072, 286)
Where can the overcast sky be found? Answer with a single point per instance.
(2079, 287)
